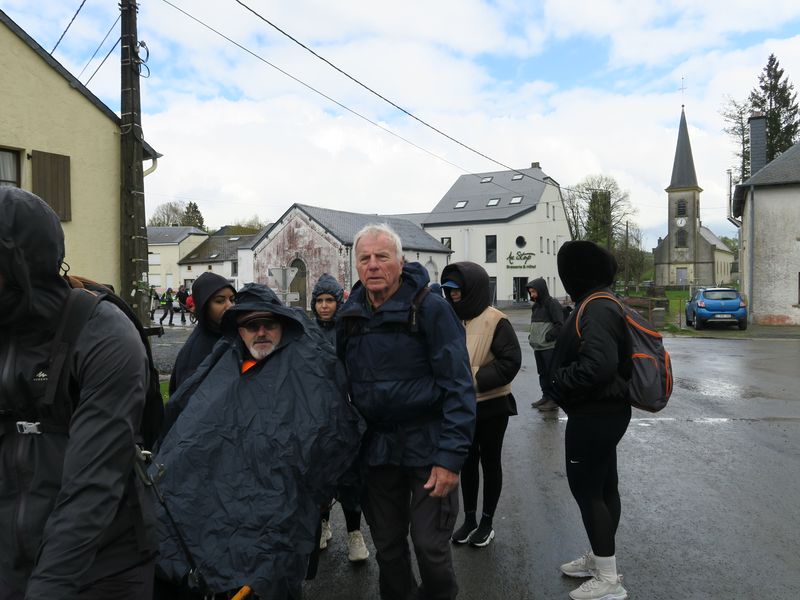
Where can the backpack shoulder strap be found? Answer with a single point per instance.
(413, 319)
(80, 306)
(594, 296)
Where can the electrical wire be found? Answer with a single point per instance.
(98, 47)
(68, 26)
(103, 61)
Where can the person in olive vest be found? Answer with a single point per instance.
(495, 358)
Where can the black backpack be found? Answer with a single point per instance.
(83, 298)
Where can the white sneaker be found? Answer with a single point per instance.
(598, 589)
(580, 567)
(356, 548)
(325, 534)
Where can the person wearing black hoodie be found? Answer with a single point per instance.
(76, 522)
(547, 318)
(495, 358)
(326, 299)
(590, 376)
(213, 295)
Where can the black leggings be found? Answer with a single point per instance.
(487, 448)
(591, 456)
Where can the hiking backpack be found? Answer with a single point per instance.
(84, 296)
(651, 374)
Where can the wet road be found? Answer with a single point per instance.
(710, 491)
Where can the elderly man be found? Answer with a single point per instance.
(410, 378)
(260, 435)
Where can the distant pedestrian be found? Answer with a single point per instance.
(547, 318)
(166, 302)
(495, 358)
(181, 296)
(590, 382)
(155, 301)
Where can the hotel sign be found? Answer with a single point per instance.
(520, 260)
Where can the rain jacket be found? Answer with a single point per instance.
(498, 369)
(253, 456)
(327, 285)
(590, 374)
(71, 510)
(414, 389)
(206, 333)
(547, 317)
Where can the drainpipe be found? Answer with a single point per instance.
(750, 252)
(349, 267)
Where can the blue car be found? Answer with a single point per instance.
(716, 305)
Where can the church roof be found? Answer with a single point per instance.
(712, 239)
(683, 173)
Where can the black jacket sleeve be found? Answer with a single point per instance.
(556, 315)
(110, 366)
(507, 359)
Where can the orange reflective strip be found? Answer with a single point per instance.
(248, 364)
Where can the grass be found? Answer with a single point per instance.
(164, 385)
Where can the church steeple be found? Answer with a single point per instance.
(683, 174)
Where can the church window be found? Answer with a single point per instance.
(681, 238)
(681, 208)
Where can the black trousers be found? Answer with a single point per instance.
(543, 360)
(486, 449)
(591, 457)
(395, 501)
(168, 310)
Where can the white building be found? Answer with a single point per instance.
(165, 247)
(219, 253)
(510, 222)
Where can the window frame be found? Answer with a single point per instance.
(490, 244)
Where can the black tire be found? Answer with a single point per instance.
(688, 320)
(742, 324)
(698, 324)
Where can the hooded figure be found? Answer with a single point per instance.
(495, 359)
(327, 284)
(590, 377)
(547, 318)
(69, 507)
(212, 294)
(258, 452)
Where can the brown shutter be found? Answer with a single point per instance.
(51, 182)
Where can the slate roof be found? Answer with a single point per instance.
(171, 235)
(218, 248)
(683, 173)
(784, 170)
(712, 239)
(149, 151)
(477, 195)
(344, 226)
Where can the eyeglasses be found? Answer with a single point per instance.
(255, 325)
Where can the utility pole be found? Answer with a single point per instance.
(627, 258)
(133, 233)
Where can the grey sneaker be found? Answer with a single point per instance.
(598, 589)
(325, 534)
(580, 567)
(356, 548)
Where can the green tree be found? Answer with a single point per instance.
(192, 216)
(732, 244)
(736, 114)
(596, 206)
(776, 99)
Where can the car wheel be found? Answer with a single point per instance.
(688, 320)
(743, 324)
(698, 324)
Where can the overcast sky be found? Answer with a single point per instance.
(583, 87)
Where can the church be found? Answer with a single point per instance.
(690, 254)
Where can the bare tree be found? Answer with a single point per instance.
(596, 207)
(168, 214)
(736, 115)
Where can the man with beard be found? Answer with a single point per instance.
(261, 435)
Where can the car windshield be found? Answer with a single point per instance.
(722, 295)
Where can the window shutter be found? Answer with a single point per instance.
(51, 182)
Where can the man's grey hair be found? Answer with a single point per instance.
(376, 229)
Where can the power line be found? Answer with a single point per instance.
(103, 61)
(68, 26)
(98, 47)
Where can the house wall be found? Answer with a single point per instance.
(193, 271)
(40, 111)
(774, 295)
(537, 258)
(168, 257)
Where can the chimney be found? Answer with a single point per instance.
(535, 165)
(758, 142)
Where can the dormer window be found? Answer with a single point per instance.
(214, 256)
(493, 202)
(234, 239)
(486, 179)
(461, 203)
(516, 177)
(516, 200)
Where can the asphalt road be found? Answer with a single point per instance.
(710, 488)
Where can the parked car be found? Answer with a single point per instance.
(716, 305)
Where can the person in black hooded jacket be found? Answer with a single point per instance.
(75, 522)
(547, 318)
(590, 376)
(495, 358)
(213, 295)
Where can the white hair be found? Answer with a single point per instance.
(376, 229)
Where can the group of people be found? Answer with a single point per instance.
(384, 403)
(166, 302)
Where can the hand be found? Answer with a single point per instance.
(442, 481)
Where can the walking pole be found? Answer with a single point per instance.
(242, 593)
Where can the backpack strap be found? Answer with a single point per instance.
(413, 320)
(594, 296)
(80, 306)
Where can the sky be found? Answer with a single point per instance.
(584, 87)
